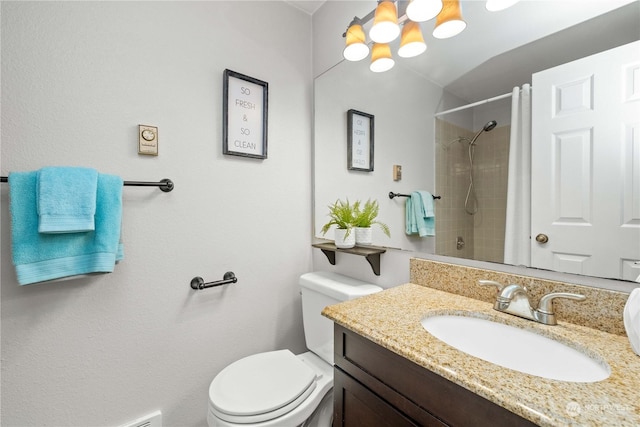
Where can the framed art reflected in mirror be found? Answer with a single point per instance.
(360, 128)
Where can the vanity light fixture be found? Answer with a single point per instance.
(449, 22)
(385, 23)
(412, 42)
(381, 59)
(387, 18)
(356, 46)
(423, 10)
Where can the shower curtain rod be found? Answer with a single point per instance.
(475, 104)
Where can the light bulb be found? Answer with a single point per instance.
(449, 21)
(381, 59)
(356, 47)
(412, 43)
(496, 5)
(423, 10)
(385, 23)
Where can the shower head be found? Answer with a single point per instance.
(490, 125)
(486, 128)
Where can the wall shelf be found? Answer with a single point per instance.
(371, 253)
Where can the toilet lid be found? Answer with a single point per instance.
(260, 384)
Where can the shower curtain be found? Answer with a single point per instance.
(517, 247)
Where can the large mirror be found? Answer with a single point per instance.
(405, 102)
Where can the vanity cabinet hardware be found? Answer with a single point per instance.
(371, 253)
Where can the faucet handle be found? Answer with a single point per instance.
(546, 302)
(500, 286)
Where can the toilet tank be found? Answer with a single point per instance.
(320, 289)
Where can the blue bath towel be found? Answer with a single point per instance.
(66, 199)
(420, 214)
(40, 257)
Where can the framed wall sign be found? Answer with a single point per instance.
(359, 141)
(244, 126)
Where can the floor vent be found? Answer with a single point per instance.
(151, 420)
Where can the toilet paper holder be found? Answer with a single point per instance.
(198, 283)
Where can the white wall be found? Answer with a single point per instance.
(77, 79)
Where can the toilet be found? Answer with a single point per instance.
(278, 388)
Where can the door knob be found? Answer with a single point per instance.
(542, 238)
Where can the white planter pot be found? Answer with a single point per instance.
(343, 241)
(364, 236)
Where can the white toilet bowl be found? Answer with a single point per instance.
(278, 388)
(275, 388)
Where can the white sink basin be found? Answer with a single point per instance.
(516, 348)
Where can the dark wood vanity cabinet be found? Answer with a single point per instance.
(376, 387)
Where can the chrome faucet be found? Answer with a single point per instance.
(513, 299)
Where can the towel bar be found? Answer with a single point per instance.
(392, 195)
(165, 185)
(198, 283)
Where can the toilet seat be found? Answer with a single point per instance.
(261, 387)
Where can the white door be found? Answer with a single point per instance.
(585, 189)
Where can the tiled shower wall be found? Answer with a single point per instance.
(452, 180)
(491, 164)
(483, 233)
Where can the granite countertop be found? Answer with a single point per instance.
(392, 319)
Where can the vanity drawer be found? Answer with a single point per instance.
(361, 407)
(421, 395)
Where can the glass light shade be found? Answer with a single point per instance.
(495, 5)
(381, 59)
(449, 22)
(356, 46)
(385, 23)
(423, 10)
(412, 43)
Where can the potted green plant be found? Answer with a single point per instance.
(341, 215)
(364, 218)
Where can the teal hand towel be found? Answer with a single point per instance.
(419, 214)
(39, 257)
(410, 219)
(426, 223)
(66, 200)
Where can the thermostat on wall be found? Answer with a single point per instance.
(148, 140)
(397, 172)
